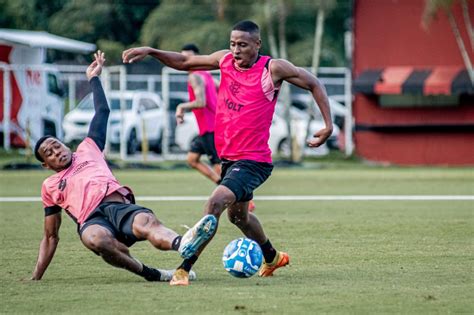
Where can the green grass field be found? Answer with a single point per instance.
(346, 256)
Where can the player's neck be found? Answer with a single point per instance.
(250, 65)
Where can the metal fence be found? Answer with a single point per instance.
(171, 85)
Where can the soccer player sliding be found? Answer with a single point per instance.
(108, 220)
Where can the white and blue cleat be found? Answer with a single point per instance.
(196, 236)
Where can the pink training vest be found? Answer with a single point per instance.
(244, 112)
(80, 188)
(205, 116)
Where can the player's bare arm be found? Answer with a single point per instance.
(95, 68)
(48, 244)
(197, 83)
(282, 70)
(175, 60)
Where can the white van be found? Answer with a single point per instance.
(32, 102)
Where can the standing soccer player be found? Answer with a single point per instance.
(202, 102)
(246, 102)
(108, 220)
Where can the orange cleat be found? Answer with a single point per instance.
(251, 206)
(180, 278)
(281, 260)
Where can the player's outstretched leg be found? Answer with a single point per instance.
(196, 236)
(102, 242)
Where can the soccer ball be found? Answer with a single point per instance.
(242, 258)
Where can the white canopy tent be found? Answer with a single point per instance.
(35, 39)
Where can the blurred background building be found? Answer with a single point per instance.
(414, 99)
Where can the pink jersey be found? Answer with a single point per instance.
(205, 116)
(80, 188)
(245, 107)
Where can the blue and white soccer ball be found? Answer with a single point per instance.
(242, 258)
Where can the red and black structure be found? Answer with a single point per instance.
(441, 80)
(396, 57)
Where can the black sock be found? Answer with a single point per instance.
(188, 263)
(268, 251)
(150, 274)
(176, 242)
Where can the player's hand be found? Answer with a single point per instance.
(179, 115)
(135, 54)
(320, 137)
(95, 68)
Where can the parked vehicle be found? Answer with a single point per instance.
(279, 136)
(143, 117)
(33, 100)
(307, 110)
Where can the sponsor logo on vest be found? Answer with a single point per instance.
(233, 106)
(234, 88)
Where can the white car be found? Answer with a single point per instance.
(279, 137)
(187, 131)
(143, 119)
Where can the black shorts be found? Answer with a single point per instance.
(244, 176)
(117, 218)
(205, 145)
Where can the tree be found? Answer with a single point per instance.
(112, 25)
(278, 48)
(28, 14)
(432, 7)
(323, 7)
(205, 23)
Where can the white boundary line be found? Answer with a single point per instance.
(290, 198)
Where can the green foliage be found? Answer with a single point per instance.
(169, 24)
(432, 7)
(28, 14)
(113, 49)
(172, 24)
(115, 21)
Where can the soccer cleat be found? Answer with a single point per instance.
(251, 206)
(197, 235)
(167, 275)
(281, 260)
(180, 278)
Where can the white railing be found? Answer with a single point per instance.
(169, 84)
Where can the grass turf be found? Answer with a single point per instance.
(346, 256)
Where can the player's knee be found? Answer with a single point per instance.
(215, 207)
(99, 244)
(145, 222)
(221, 199)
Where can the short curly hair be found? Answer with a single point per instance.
(191, 47)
